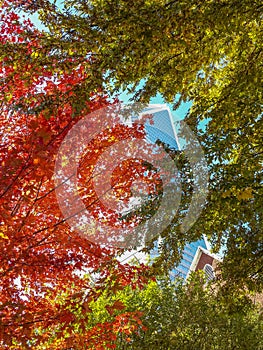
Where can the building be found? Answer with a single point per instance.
(189, 254)
(162, 128)
(210, 264)
(207, 261)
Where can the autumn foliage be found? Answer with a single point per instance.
(46, 269)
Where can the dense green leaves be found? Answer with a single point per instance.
(185, 317)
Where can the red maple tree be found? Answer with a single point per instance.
(39, 253)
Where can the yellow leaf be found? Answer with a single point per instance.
(3, 236)
(34, 54)
(64, 160)
(245, 194)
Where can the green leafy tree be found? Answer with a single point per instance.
(192, 316)
(178, 316)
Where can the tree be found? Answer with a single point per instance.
(183, 316)
(208, 52)
(42, 259)
(190, 316)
